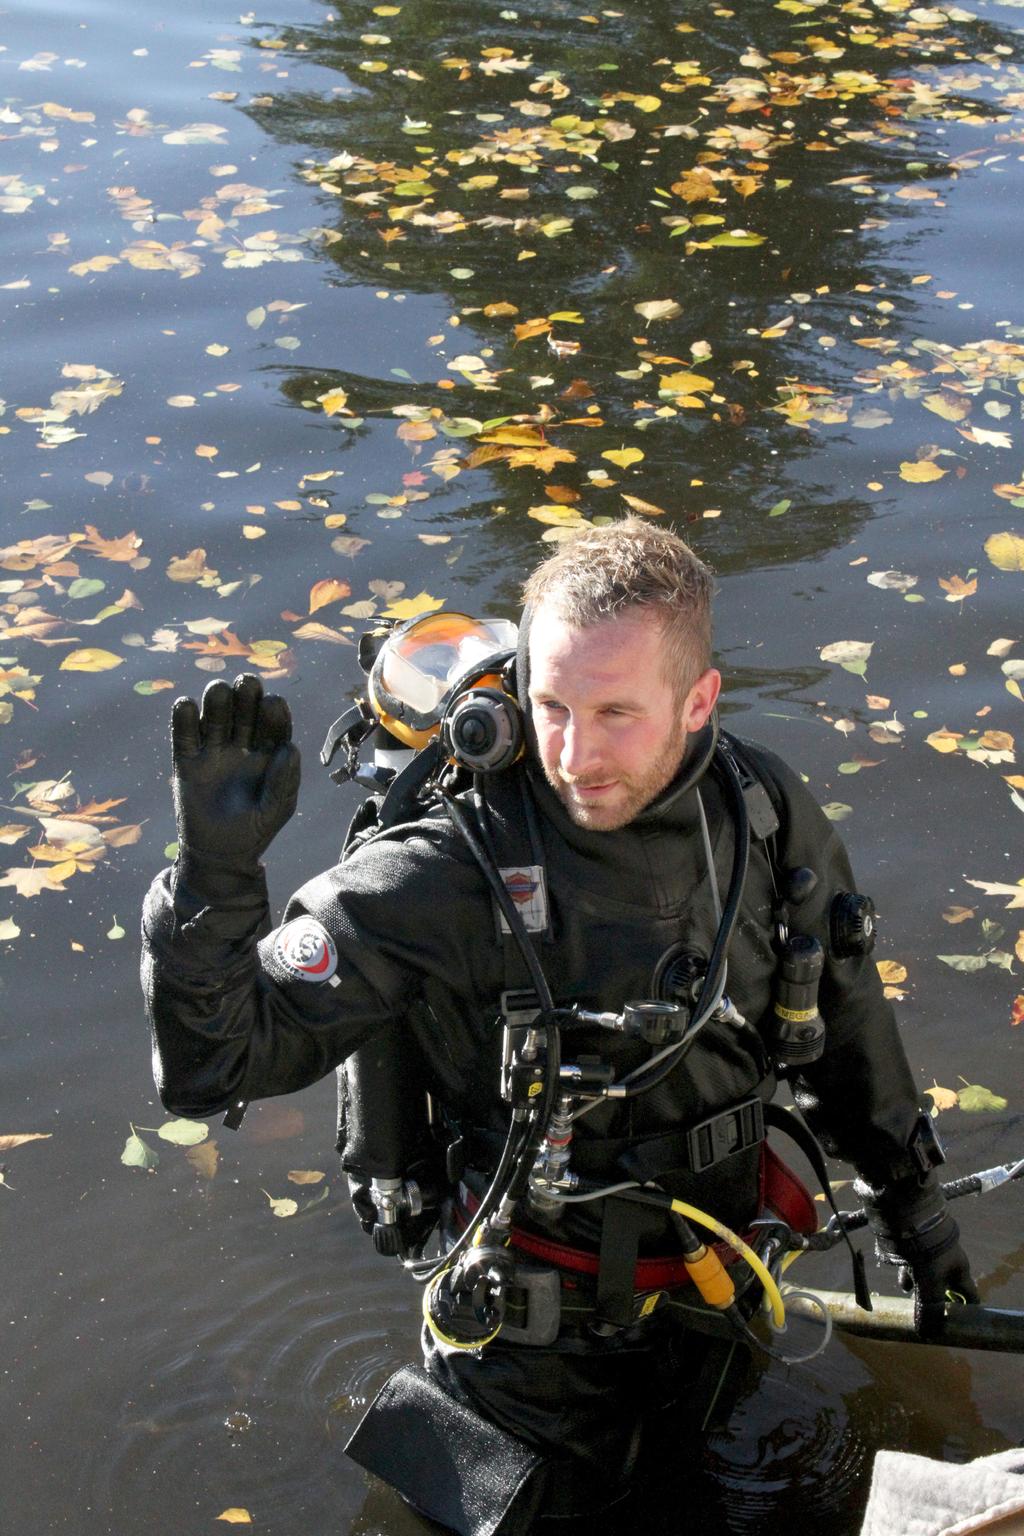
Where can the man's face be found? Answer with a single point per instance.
(611, 731)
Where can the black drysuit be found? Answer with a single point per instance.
(418, 948)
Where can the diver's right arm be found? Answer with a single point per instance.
(234, 1018)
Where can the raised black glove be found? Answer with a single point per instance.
(914, 1230)
(236, 783)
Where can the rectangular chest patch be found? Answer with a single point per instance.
(526, 885)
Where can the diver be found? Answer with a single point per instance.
(576, 936)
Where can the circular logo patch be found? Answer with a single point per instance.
(306, 950)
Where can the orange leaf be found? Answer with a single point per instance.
(323, 592)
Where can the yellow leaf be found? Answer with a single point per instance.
(556, 516)
(623, 457)
(1018, 948)
(323, 592)
(336, 520)
(95, 264)
(91, 659)
(236, 1517)
(305, 1176)
(412, 607)
(949, 407)
(943, 1098)
(252, 531)
(647, 508)
(920, 471)
(647, 103)
(206, 451)
(1006, 551)
(684, 383)
(943, 741)
(334, 401)
(891, 972)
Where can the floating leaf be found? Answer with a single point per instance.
(851, 655)
(645, 508)
(91, 659)
(836, 810)
(204, 1158)
(136, 1154)
(659, 309)
(1006, 551)
(9, 929)
(116, 931)
(184, 1133)
(8, 1143)
(942, 1098)
(920, 471)
(236, 1517)
(282, 1207)
(412, 607)
(323, 592)
(305, 1176)
(780, 508)
(964, 962)
(623, 457)
(891, 972)
(974, 1099)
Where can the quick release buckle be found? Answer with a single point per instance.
(721, 1135)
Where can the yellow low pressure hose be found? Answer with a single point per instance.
(691, 1213)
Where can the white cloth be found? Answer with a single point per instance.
(913, 1496)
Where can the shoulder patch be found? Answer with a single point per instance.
(306, 950)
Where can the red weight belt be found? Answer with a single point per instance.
(650, 1274)
(780, 1192)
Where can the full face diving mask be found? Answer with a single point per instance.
(431, 675)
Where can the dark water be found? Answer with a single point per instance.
(171, 1349)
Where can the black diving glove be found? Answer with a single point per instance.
(914, 1230)
(235, 782)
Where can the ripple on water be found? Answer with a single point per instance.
(252, 1408)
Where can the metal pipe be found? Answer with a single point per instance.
(966, 1327)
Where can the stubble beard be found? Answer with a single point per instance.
(638, 793)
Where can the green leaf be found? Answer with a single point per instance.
(137, 1155)
(86, 586)
(171, 851)
(974, 1099)
(779, 508)
(256, 317)
(184, 1133)
(116, 932)
(737, 237)
(964, 962)
(835, 810)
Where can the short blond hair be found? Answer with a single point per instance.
(626, 565)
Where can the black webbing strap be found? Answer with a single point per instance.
(791, 1125)
(623, 1222)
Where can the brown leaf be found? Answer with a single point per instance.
(125, 548)
(8, 1143)
(957, 914)
(305, 1176)
(204, 1158)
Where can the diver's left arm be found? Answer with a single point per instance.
(860, 1095)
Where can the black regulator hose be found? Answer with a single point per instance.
(524, 1136)
(723, 938)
